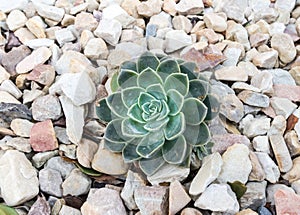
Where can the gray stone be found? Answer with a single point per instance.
(74, 119)
(103, 201)
(109, 30)
(58, 164)
(208, 172)
(176, 39)
(272, 189)
(48, 11)
(283, 106)
(15, 19)
(108, 162)
(266, 59)
(16, 168)
(20, 144)
(261, 144)
(236, 164)
(67, 210)
(224, 201)
(231, 73)
(263, 81)
(85, 152)
(254, 99)
(64, 36)
(133, 181)
(281, 76)
(255, 195)
(21, 127)
(151, 200)
(38, 56)
(39, 159)
(169, 173)
(76, 183)
(271, 169)
(255, 126)
(188, 7)
(46, 107)
(61, 134)
(284, 44)
(39, 207)
(68, 150)
(51, 181)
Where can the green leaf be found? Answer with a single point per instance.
(146, 60)
(129, 153)
(174, 150)
(238, 188)
(114, 85)
(113, 146)
(188, 68)
(88, 171)
(5, 210)
(165, 110)
(129, 65)
(167, 67)
(197, 135)
(145, 98)
(178, 82)
(194, 111)
(150, 117)
(116, 105)
(113, 132)
(175, 101)
(148, 77)
(175, 126)
(132, 128)
(198, 89)
(127, 78)
(213, 107)
(155, 125)
(187, 161)
(103, 111)
(157, 91)
(135, 113)
(130, 95)
(150, 166)
(150, 144)
(204, 150)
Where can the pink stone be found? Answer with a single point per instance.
(223, 141)
(42, 137)
(43, 74)
(287, 202)
(269, 111)
(287, 91)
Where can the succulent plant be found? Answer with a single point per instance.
(158, 112)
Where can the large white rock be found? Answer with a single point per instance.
(218, 198)
(209, 171)
(18, 178)
(7, 6)
(48, 11)
(178, 198)
(74, 119)
(177, 39)
(269, 166)
(236, 164)
(109, 30)
(15, 19)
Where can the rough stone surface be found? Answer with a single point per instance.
(103, 201)
(46, 107)
(21, 127)
(85, 152)
(208, 172)
(282, 106)
(273, 188)
(109, 30)
(51, 181)
(284, 44)
(178, 198)
(255, 126)
(231, 73)
(271, 169)
(16, 168)
(176, 39)
(76, 183)
(232, 108)
(254, 99)
(255, 196)
(287, 202)
(57, 163)
(225, 201)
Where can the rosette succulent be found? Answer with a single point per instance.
(158, 113)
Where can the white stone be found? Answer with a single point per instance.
(238, 33)
(79, 8)
(271, 169)
(189, 7)
(103, 201)
(281, 76)
(261, 144)
(296, 186)
(264, 81)
(63, 36)
(48, 11)
(109, 30)
(244, 86)
(276, 28)
(38, 56)
(7, 6)
(21, 127)
(231, 73)
(67, 210)
(36, 26)
(266, 59)
(4, 75)
(133, 181)
(161, 20)
(178, 198)
(77, 86)
(37, 43)
(285, 5)
(255, 126)
(283, 106)
(254, 99)
(10, 87)
(218, 198)
(232, 108)
(169, 173)
(16, 169)
(85, 152)
(8, 98)
(284, 44)
(115, 11)
(149, 8)
(176, 39)
(74, 119)
(208, 172)
(215, 22)
(108, 162)
(236, 164)
(96, 48)
(232, 56)
(16, 19)
(272, 189)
